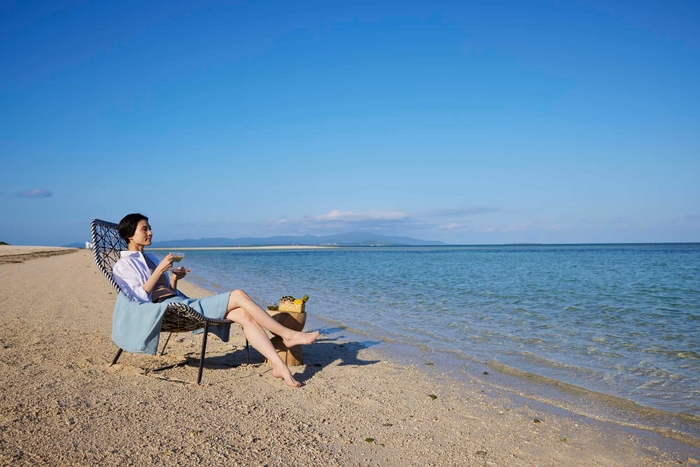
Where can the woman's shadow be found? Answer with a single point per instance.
(329, 348)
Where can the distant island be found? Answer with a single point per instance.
(341, 240)
(345, 240)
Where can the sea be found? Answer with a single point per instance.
(609, 331)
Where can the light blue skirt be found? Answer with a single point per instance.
(211, 307)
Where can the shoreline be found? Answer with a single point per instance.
(62, 404)
(559, 394)
(12, 250)
(607, 411)
(20, 254)
(552, 395)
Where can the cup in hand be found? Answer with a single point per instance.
(177, 256)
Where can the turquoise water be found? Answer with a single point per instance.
(622, 320)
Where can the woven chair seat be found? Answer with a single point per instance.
(179, 317)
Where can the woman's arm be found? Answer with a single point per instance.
(130, 276)
(135, 279)
(177, 274)
(163, 266)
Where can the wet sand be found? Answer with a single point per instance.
(61, 403)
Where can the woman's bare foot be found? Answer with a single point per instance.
(286, 376)
(300, 338)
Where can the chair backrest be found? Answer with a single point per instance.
(106, 247)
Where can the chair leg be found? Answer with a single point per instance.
(116, 357)
(162, 351)
(204, 349)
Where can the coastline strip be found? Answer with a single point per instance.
(20, 254)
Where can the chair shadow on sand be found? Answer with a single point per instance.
(329, 348)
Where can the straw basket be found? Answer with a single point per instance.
(292, 307)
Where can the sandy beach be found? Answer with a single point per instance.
(61, 403)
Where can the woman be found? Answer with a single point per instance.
(144, 279)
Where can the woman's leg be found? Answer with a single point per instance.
(259, 340)
(290, 338)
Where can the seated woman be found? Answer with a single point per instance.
(144, 279)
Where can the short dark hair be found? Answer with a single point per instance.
(127, 226)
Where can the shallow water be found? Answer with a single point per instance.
(621, 320)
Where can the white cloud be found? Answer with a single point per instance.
(530, 225)
(496, 229)
(387, 222)
(350, 216)
(37, 193)
(454, 224)
(619, 222)
(461, 212)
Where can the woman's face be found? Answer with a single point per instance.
(142, 236)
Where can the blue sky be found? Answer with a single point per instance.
(466, 122)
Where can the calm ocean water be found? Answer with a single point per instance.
(621, 320)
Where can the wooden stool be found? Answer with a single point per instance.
(295, 321)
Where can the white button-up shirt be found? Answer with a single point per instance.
(131, 272)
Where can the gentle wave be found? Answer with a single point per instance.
(611, 409)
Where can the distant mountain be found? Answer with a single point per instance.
(345, 239)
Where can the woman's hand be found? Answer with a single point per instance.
(180, 272)
(166, 264)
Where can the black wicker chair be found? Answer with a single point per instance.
(106, 247)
